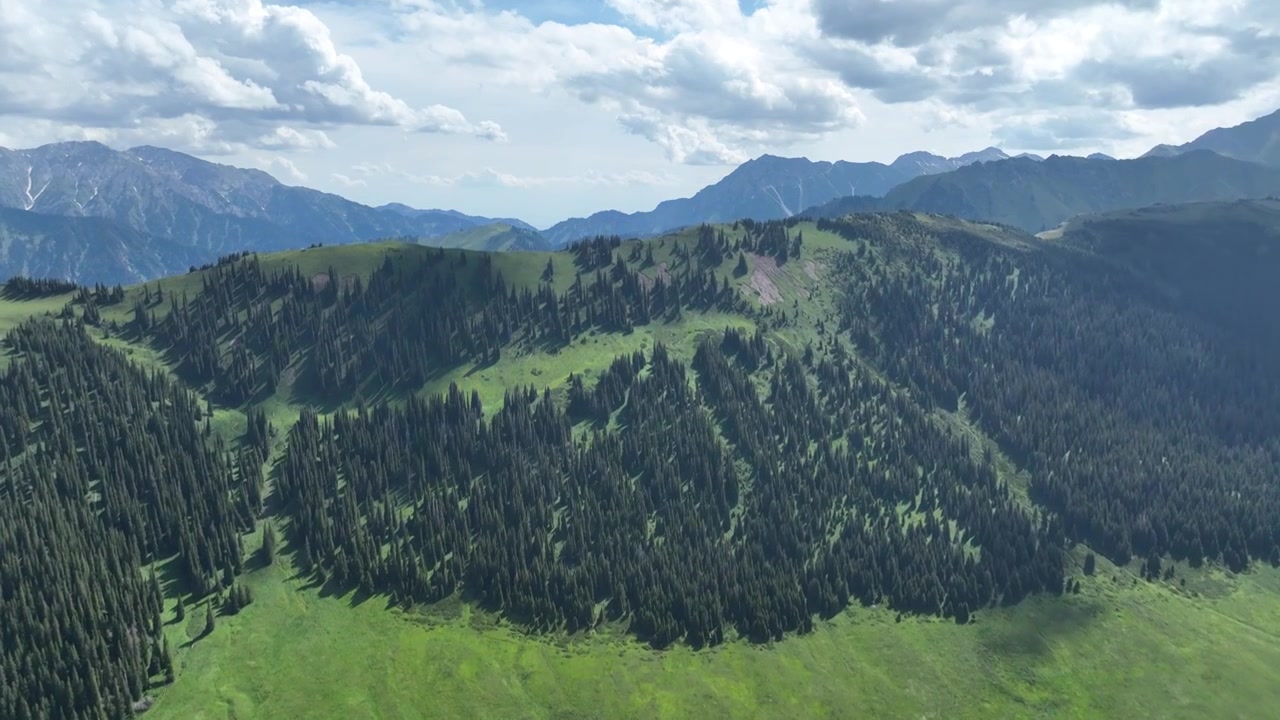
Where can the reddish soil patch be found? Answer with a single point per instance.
(663, 274)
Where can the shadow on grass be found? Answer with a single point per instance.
(173, 581)
(1038, 626)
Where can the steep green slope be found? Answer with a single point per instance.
(1215, 260)
(899, 464)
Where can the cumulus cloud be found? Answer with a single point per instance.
(251, 72)
(708, 93)
(288, 138)
(914, 22)
(704, 82)
(693, 142)
(286, 165)
(1081, 58)
(348, 181)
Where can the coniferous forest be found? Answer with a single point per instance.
(105, 471)
(765, 472)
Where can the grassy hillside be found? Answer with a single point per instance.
(948, 318)
(1122, 647)
(495, 237)
(15, 311)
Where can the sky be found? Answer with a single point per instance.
(547, 109)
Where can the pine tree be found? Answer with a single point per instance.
(208, 619)
(268, 544)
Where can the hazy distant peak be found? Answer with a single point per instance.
(1162, 150)
(985, 155)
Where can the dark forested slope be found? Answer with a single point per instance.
(1136, 393)
(1039, 195)
(104, 470)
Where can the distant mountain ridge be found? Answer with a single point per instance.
(477, 220)
(159, 210)
(171, 197)
(767, 188)
(1039, 195)
(1254, 141)
(90, 248)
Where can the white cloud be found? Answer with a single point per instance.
(507, 113)
(287, 138)
(348, 181)
(694, 142)
(248, 73)
(1089, 61)
(711, 93)
(291, 171)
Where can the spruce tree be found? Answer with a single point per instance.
(268, 544)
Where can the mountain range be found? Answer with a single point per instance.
(1037, 196)
(90, 249)
(767, 188)
(86, 212)
(147, 199)
(1255, 141)
(771, 187)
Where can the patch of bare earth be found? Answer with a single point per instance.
(764, 273)
(320, 281)
(659, 274)
(811, 269)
